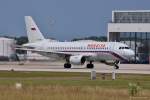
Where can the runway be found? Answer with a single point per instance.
(58, 67)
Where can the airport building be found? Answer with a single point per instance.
(6, 48)
(132, 28)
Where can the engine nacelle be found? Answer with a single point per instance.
(77, 60)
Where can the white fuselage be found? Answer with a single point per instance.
(75, 52)
(96, 51)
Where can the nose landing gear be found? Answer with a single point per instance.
(116, 64)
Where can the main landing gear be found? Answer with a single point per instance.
(67, 64)
(90, 65)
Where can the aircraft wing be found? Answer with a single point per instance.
(44, 51)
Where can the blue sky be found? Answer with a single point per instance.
(63, 19)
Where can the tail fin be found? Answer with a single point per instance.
(33, 32)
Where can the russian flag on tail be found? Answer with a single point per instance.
(33, 28)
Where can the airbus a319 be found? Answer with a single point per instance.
(78, 52)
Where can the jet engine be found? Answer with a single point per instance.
(77, 60)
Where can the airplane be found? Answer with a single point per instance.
(76, 52)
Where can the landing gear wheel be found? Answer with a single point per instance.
(90, 66)
(67, 65)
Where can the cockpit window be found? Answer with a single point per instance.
(124, 48)
(127, 48)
